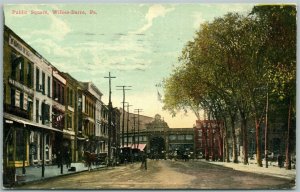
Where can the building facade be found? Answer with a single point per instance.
(49, 117)
(27, 120)
(209, 139)
(160, 140)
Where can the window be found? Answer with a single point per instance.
(37, 79)
(189, 137)
(20, 145)
(28, 74)
(180, 137)
(58, 96)
(172, 137)
(29, 104)
(63, 95)
(69, 121)
(54, 91)
(12, 97)
(49, 85)
(45, 113)
(43, 82)
(21, 67)
(21, 100)
(68, 96)
(13, 58)
(37, 103)
(47, 146)
(71, 97)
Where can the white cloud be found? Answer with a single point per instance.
(153, 12)
(198, 19)
(241, 7)
(58, 29)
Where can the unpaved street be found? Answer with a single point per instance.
(163, 174)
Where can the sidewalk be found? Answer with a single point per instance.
(34, 173)
(272, 170)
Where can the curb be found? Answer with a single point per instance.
(17, 185)
(292, 177)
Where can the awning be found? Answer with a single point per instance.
(141, 147)
(27, 122)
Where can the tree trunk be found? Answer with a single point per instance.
(245, 139)
(258, 141)
(206, 144)
(220, 144)
(226, 144)
(234, 142)
(287, 150)
(227, 148)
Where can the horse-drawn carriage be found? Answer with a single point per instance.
(95, 159)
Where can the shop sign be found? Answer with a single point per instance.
(20, 86)
(21, 48)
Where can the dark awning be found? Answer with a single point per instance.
(27, 122)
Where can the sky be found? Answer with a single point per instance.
(139, 44)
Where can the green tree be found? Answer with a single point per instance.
(279, 24)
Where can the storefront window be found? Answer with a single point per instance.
(47, 147)
(20, 145)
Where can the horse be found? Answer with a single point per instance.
(90, 158)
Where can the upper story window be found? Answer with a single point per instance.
(17, 67)
(180, 137)
(54, 92)
(172, 137)
(37, 79)
(189, 137)
(70, 96)
(43, 83)
(29, 74)
(21, 68)
(62, 95)
(48, 86)
(12, 97)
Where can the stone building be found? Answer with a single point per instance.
(157, 138)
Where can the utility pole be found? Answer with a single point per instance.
(127, 122)
(134, 117)
(123, 88)
(109, 118)
(138, 110)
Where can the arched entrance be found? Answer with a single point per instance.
(157, 148)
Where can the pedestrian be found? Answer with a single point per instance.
(144, 161)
